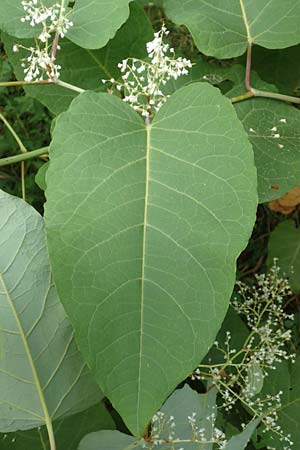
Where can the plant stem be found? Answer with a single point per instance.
(252, 92)
(26, 83)
(68, 86)
(23, 150)
(56, 38)
(248, 68)
(41, 82)
(23, 181)
(23, 156)
(242, 97)
(22, 147)
(276, 96)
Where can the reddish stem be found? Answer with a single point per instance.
(248, 68)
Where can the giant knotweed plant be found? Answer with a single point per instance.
(152, 182)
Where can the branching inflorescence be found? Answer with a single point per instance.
(40, 64)
(143, 82)
(241, 376)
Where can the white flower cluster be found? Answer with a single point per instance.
(241, 376)
(262, 308)
(40, 64)
(163, 431)
(143, 82)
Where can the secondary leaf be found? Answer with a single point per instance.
(68, 432)
(223, 28)
(85, 68)
(39, 361)
(273, 130)
(95, 21)
(173, 422)
(240, 441)
(144, 227)
(108, 440)
(284, 244)
(179, 407)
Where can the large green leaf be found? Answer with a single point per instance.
(144, 227)
(273, 130)
(86, 68)
(95, 21)
(223, 28)
(41, 371)
(284, 244)
(68, 432)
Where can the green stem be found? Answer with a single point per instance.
(242, 97)
(68, 86)
(276, 96)
(22, 147)
(252, 92)
(23, 181)
(25, 83)
(57, 82)
(23, 156)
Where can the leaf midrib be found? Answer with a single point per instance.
(146, 207)
(245, 19)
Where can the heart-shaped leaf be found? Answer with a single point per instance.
(144, 227)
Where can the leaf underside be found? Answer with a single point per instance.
(38, 357)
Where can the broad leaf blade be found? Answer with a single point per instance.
(39, 360)
(223, 28)
(97, 21)
(128, 212)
